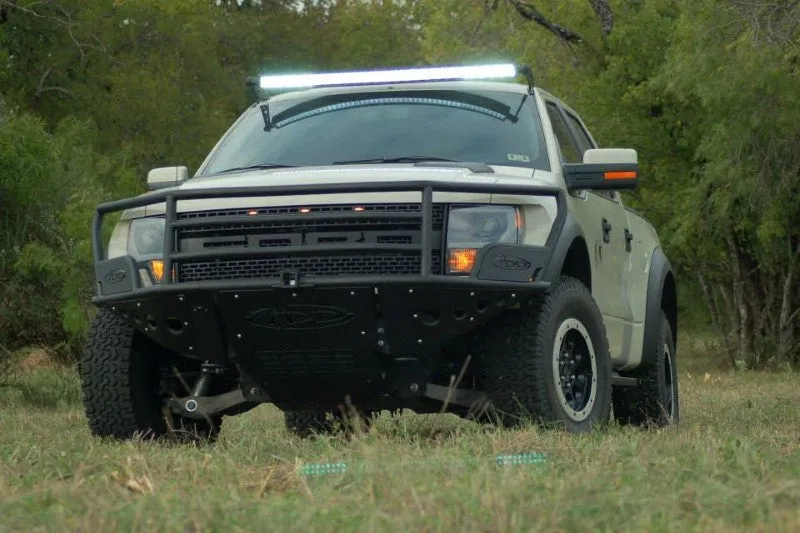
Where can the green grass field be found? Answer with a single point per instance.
(733, 464)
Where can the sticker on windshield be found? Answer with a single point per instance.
(519, 157)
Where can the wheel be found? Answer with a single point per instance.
(549, 362)
(654, 401)
(124, 386)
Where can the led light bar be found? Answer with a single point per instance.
(389, 76)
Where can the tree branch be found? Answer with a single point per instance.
(527, 11)
(488, 7)
(65, 20)
(41, 89)
(604, 13)
(56, 89)
(41, 80)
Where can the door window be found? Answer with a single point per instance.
(569, 151)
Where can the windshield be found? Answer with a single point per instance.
(492, 127)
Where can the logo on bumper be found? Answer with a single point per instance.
(115, 276)
(300, 317)
(505, 262)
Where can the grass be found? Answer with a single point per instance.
(733, 464)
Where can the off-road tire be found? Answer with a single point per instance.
(516, 354)
(647, 404)
(122, 384)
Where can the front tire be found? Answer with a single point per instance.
(550, 362)
(123, 387)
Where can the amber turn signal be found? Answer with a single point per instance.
(461, 261)
(157, 268)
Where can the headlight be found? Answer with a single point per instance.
(146, 244)
(470, 228)
(146, 238)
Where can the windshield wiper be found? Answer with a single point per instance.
(422, 160)
(255, 167)
(402, 159)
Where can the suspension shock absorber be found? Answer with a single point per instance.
(207, 371)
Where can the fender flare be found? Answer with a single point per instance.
(570, 231)
(660, 268)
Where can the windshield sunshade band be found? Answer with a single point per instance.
(389, 101)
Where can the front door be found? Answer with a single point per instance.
(604, 222)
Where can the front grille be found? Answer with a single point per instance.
(277, 227)
(294, 211)
(372, 264)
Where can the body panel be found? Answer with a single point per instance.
(610, 261)
(610, 265)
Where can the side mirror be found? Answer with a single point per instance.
(604, 169)
(161, 178)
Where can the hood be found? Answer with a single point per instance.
(350, 174)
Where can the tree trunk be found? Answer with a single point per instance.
(745, 349)
(604, 13)
(786, 340)
(718, 321)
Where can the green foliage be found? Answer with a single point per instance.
(49, 388)
(50, 185)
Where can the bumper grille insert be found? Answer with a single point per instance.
(292, 228)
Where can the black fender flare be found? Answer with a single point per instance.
(569, 232)
(660, 268)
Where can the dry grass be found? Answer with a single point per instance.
(732, 465)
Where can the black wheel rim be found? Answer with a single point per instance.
(575, 369)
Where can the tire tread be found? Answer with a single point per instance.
(118, 382)
(515, 357)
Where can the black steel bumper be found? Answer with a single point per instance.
(294, 326)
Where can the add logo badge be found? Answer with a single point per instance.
(505, 262)
(300, 317)
(115, 276)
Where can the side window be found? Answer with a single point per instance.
(583, 137)
(569, 151)
(586, 143)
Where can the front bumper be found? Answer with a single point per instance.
(296, 328)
